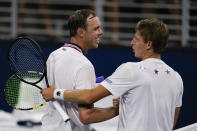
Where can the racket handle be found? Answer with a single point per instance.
(63, 114)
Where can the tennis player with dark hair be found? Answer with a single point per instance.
(150, 91)
(69, 69)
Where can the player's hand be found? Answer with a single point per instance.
(47, 93)
(116, 105)
(93, 129)
(116, 102)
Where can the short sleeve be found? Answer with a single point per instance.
(120, 81)
(180, 93)
(50, 69)
(85, 77)
(50, 72)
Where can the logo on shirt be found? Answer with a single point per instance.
(64, 49)
(168, 72)
(156, 71)
(58, 93)
(142, 68)
(108, 81)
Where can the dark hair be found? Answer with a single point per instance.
(154, 30)
(79, 20)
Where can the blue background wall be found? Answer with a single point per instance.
(107, 58)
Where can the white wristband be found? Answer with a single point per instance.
(58, 94)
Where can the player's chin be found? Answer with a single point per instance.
(134, 53)
(96, 44)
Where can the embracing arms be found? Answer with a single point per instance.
(84, 96)
(87, 97)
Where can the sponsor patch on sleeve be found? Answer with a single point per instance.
(108, 81)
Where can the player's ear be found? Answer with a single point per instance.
(80, 32)
(149, 45)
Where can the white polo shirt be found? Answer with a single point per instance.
(67, 69)
(149, 92)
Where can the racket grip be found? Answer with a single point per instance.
(63, 114)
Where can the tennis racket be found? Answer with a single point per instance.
(23, 96)
(27, 60)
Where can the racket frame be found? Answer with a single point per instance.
(24, 109)
(43, 59)
(63, 114)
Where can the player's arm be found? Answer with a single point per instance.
(87, 113)
(179, 100)
(176, 116)
(84, 96)
(94, 114)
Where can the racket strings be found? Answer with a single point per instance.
(27, 61)
(12, 93)
(23, 96)
(25, 56)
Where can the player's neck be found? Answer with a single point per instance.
(152, 55)
(80, 44)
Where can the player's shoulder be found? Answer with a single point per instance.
(178, 76)
(55, 51)
(129, 65)
(54, 54)
(80, 58)
(68, 53)
(73, 56)
(172, 70)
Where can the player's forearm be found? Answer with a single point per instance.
(105, 114)
(78, 96)
(86, 96)
(95, 115)
(176, 116)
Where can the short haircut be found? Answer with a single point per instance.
(79, 20)
(154, 30)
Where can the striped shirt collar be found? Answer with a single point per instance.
(74, 46)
